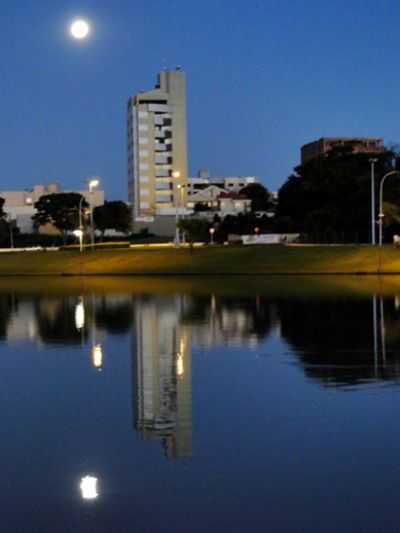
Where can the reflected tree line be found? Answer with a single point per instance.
(338, 341)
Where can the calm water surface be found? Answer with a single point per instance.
(228, 406)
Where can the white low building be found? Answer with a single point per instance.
(232, 203)
(207, 197)
(229, 183)
(20, 205)
(215, 200)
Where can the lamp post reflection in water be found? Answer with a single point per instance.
(180, 367)
(176, 175)
(80, 315)
(375, 326)
(383, 334)
(88, 487)
(97, 356)
(379, 330)
(97, 348)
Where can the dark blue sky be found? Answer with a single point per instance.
(264, 77)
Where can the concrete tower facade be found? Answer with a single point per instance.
(157, 149)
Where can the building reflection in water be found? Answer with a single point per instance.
(162, 375)
(166, 328)
(338, 341)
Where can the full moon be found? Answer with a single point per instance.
(79, 29)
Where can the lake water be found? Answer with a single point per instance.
(226, 405)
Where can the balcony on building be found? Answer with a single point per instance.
(160, 147)
(159, 108)
(162, 173)
(163, 186)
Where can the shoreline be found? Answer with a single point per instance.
(255, 260)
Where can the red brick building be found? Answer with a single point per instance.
(368, 145)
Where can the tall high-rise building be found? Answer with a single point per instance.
(157, 151)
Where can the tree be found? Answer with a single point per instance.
(4, 225)
(112, 215)
(196, 229)
(2, 212)
(331, 194)
(259, 195)
(59, 209)
(242, 224)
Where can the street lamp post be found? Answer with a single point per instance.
(381, 213)
(211, 232)
(92, 183)
(80, 229)
(10, 229)
(180, 188)
(176, 175)
(79, 233)
(373, 236)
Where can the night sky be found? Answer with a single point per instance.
(264, 77)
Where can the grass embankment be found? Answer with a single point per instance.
(218, 260)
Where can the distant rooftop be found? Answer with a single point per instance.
(368, 145)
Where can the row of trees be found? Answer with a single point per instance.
(66, 210)
(4, 225)
(332, 195)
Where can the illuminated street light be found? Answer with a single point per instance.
(181, 187)
(381, 213)
(92, 184)
(373, 238)
(79, 234)
(176, 174)
(211, 231)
